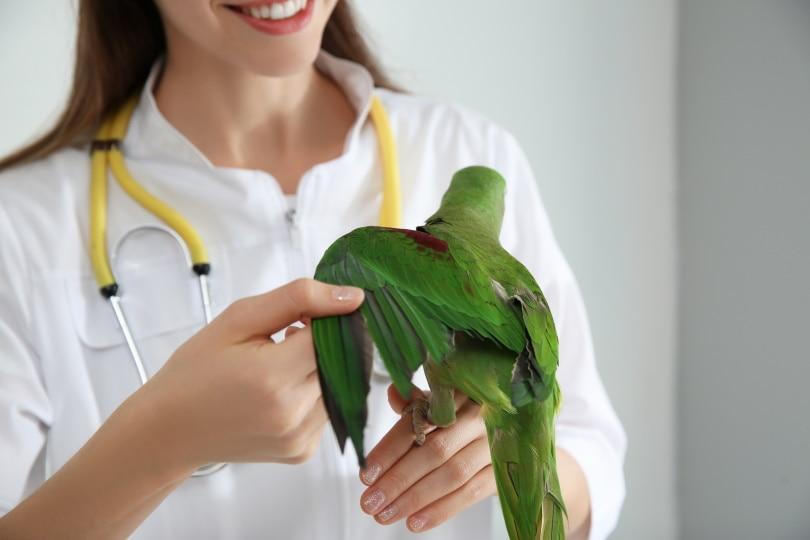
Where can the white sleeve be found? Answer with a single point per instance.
(587, 426)
(25, 411)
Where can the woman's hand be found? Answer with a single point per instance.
(227, 394)
(232, 394)
(428, 484)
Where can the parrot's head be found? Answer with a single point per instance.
(474, 199)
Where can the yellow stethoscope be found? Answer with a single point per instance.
(106, 150)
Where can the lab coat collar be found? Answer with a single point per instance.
(151, 137)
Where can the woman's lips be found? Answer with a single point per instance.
(272, 17)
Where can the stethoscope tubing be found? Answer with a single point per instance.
(106, 151)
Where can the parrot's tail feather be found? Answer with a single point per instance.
(524, 462)
(553, 522)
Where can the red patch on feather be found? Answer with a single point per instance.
(423, 239)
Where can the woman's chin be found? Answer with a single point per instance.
(282, 62)
(277, 48)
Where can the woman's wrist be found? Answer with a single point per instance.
(110, 485)
(156, 431)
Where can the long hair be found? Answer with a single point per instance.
(117, 43)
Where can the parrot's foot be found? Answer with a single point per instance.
(419, 415)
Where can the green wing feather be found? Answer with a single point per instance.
(417, 294)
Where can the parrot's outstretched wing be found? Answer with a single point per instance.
(416, 294)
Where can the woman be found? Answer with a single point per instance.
(252, 121)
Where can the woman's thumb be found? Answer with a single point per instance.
(270, 312)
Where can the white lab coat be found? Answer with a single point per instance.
(64, 366)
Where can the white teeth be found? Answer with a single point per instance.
(276, 10)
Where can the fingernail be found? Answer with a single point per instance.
(388, 513)
(374, 501)
(345, 294)
(416, 523)
(370, 473)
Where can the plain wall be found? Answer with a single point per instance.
(744, 431)
(36, 63)
(588, 90)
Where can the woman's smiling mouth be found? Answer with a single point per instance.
(277, 17)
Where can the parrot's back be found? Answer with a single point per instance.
(448, 296)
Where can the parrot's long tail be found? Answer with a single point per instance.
(524, 461)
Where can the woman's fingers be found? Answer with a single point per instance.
(479, 487)
(449, 477)
(292, 329)
(307, 397)
(265, 314)
(292, 360)
(399, 440)
(239, 397)
(302, 440)
(394, 444)
(401, 465)
(397, 402)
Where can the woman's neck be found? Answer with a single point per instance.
(282, 125)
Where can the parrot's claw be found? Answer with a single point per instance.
(419, 415)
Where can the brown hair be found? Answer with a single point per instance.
(117, 44)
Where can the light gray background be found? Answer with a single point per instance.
(590, 90)
(36, 62)
(744, 405)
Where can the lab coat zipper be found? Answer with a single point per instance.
(295, 262)
(292, 227)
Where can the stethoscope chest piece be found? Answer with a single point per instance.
(120, 315)
(115, 294)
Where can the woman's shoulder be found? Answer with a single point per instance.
(431, 106)
(42, 204)
(447, 127)
(45, 181)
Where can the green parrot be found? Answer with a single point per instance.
(448, 297)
